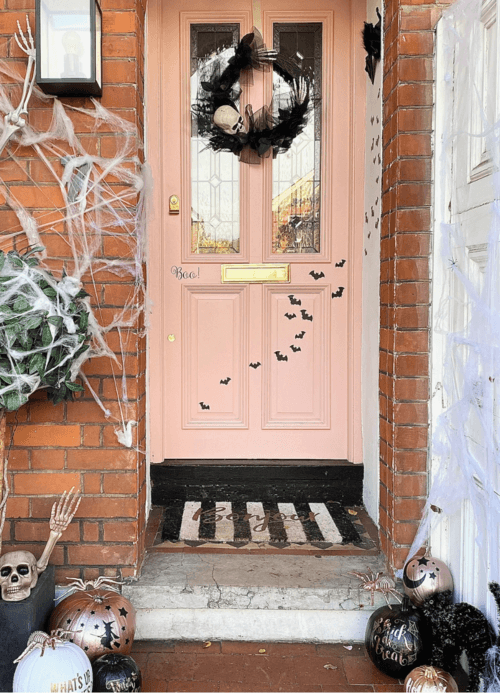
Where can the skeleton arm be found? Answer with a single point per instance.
(13, 120)
(60, 517)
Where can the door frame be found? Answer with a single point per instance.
(156, 148)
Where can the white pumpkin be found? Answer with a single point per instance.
(64, 669)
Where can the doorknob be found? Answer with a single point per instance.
(171, 337)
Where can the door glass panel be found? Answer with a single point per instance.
(297, 172)
(215, 176)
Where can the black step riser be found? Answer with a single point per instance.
(239, 483)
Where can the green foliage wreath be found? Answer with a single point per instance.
(44, 331)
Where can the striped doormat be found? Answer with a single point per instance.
(247, 525)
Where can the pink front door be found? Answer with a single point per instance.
(240, 369)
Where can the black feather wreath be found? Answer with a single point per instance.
(372, 42)
(265, 134)
(455, 628)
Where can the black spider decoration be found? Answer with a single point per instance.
(372, 39)
(455, 628)
(249, 135)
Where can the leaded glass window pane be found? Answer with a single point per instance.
(215, 177)
(297, 173)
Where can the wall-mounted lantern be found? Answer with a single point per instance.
(68, 47)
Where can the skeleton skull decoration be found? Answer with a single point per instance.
(18, 575)
(228, 119)
(19, 570)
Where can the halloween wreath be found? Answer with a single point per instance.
(251, 136)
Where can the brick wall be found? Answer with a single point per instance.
(73, 444)
(405, 279)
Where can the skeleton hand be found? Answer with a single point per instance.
(61, 516)
(300, 90)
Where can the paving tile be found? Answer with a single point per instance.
(361, 670)
(154, 685)
(341, 650)
(250, 648)
(153, 646)
(388, 688)
(365, 688)
(193, 647)
(300, 689)
(196, 686)
(311, 670)
(290, 649)
(246, 687)
(172, 666)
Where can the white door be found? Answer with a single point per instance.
(465, 358)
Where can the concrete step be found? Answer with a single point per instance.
(181, 596)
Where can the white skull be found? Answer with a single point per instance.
(18, 575)
(228, 119)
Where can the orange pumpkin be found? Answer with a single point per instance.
(100, 620)
(426, 679)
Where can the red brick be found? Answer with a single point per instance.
(413, 95)
(412, 293)
(119, 46)
(37, 483)
(120, 531)
(410, 437)
(414, 119)
(413, 194)
(411, 341)
(102, 459)
(118, 22)
(410, 461)
(410, 412)
(107, 507)
(412, 270)
(414, 144)
(412, 365)
(90, 531)
(18, 459)
(408, 508)
(91, 573)
(411, 389)
(47, 459)
(410, 485)
(92, 483)
(119, 71)
(107, 555)
(418, 43)
(404, 532)
(92, 436)
(44, 411)
(412, 316)
(120, 483)
(51, 435)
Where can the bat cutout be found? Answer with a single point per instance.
(338, 293)
(204, 406)
(225, 381)
(306, 316)
(372, 35)
(300, 335)
(316, 275)
(294, 301)
(295, 348)
(340, 264)
(255, 365)
(280, 356)
(290, 316)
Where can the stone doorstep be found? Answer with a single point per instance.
(250, 598)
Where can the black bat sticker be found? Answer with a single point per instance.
(294, 301)
(338, 293)
(316, 275)
(204, 406)
(225, 382)
(255, 365)
(340, 264)
(306, 316)
(280, 356)
(300, 335)
(290, 316)
(295, 348)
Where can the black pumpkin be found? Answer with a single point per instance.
(116, 672)
(395, 637)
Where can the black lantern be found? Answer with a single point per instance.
(68, 47)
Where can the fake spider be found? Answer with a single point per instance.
(378, 583)
(40, 640)
(78, 584)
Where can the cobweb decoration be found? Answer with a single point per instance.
(99, 223)
(465, 440)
